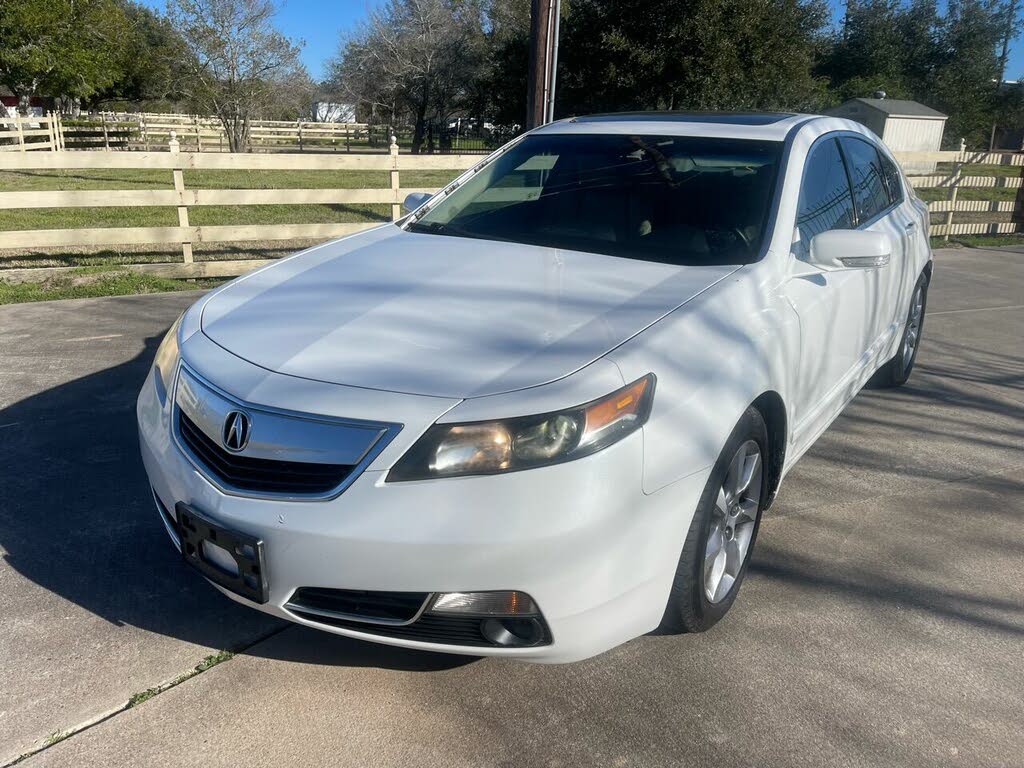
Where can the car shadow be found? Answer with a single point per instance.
(77, 519)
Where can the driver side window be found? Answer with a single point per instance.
(825, 199)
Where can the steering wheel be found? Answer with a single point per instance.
(738, 231)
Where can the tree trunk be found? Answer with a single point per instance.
(237, 129)
(421, 120)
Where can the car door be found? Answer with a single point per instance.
(879, 209)
(913, 226)
(835, 308)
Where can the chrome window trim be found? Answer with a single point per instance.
(388, 432)
(292, 607)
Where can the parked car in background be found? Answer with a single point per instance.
(545, 412)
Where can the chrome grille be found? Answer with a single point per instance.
(259, 475)
(281, 455)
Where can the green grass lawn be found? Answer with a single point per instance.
(96, 277)
(112, 256)
(159, 178)
(70, 218)
(980, 241)
(932, 194)
(982, 170)
(99, 275)
(84, 283)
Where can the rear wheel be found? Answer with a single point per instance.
(722, 534)
(896, 372)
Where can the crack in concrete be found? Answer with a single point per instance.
(137, 699)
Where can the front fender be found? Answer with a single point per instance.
(713, 357)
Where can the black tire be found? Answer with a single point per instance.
(896, 372)
(689, 609)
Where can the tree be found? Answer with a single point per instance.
(965, 74)
(1010, 23)
(155, 56)
(868, 53)
(690, 54)
(61, 48)
(415, 59)
(920, 31)
(503, 77)
(236, 60)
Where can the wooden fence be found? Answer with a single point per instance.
(950, 216)
(148, 131)
(979, 217)
(25, 134)
(185, 234)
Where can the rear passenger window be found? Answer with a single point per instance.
(869, 190)
(825, 200)
(893, 180)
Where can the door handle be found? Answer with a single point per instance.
(910, 227)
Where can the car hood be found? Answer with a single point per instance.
(443, 316)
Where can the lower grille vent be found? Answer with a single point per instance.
(391, 614)
(354, 604)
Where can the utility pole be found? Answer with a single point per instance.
(542, 75)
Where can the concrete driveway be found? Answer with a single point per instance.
(882, 623)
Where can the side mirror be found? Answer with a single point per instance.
(414, 200)
(850, 249)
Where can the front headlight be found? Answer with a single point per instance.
(508, 445)
(166, 361)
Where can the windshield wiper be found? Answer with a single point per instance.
(426, 227)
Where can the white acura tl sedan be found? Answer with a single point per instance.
(544, 412)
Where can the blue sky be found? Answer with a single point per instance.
(321, 22)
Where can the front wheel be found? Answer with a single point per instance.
(896, 372)
(721, 536)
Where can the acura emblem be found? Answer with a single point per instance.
(236, 431)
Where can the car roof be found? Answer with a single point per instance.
(722, 118)
(765, 126)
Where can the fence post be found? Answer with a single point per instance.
(179, 187)
(954, 185)
(61, 144)
(50, 133)
(21, 131)
(199, 136)
(106, 135)
(396, 207)
(299, 124)
(142, 132)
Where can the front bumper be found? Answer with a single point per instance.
(581, 538)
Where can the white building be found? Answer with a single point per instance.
(331, 112)
(904, 126)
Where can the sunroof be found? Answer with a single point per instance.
(721, 118)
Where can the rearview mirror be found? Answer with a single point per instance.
(850, 249)
(414, 200)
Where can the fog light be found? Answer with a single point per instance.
(485, 603)
(513, 633)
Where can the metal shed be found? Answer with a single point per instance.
(904, 126)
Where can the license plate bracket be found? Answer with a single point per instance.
(196, 529)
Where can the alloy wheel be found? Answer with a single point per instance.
(913, 334)
(732, 522)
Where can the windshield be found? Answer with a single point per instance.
(670, 199)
